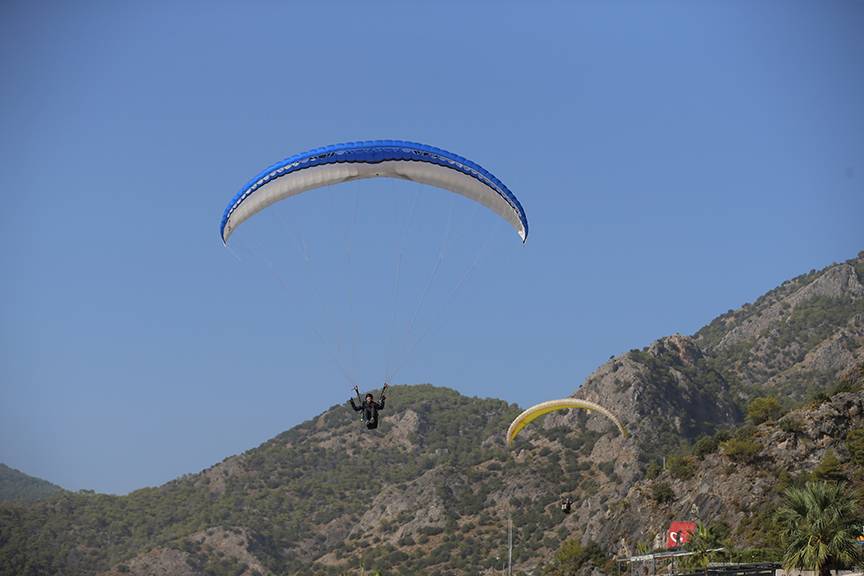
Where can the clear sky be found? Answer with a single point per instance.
(675, 160)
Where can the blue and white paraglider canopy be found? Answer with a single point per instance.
(373, 159)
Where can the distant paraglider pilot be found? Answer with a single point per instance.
(369, 407)
(566, 505)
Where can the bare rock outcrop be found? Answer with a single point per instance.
(419, 504)
(190, 556)
(667, 389)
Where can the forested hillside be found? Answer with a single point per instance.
(17, 486)
(764, 397)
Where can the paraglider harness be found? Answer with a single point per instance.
(368, 411)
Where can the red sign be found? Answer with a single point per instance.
(679, 533)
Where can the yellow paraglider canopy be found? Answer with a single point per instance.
(535, 412)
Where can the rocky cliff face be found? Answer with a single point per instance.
(664, 393)
(432, 490)
(740, 491)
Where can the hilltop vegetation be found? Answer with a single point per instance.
(765, 397)
(326, 487)
(17, 486)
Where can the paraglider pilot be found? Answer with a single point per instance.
(369, 407)
(566, 504)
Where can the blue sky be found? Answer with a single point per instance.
(675, 160)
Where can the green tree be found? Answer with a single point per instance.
(571, 556)
(819, 525)
(830, 468)
(705, 445)
(764, 409)
(681, 467)
(662, 492)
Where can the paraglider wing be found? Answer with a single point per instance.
(535, 412)
(374, 159)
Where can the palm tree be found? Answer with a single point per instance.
(705, 539)
(819, 526)
(702, 542)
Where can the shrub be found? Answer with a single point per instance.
(830, 468)
(742, 450)
(791, 425)
(764, 409)
(572, 556)
(406, 540)
(661, 492)
(608, 468)
(681, 467)
(653, 470)
(705, 445)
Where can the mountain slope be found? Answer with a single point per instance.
(17, 486)
(429, 491)
(795, 339)
(432, 490)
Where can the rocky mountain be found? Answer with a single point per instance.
(433, 489)
(18, 486)
(735, 478)
(795, 339)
